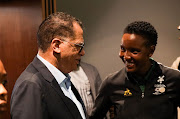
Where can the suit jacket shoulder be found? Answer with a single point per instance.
(37, 95)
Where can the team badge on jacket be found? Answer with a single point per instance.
(160, 87)
(127, 92)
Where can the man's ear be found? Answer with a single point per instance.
(152, 49)
(56, 45)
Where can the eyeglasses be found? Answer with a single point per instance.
(81, 45)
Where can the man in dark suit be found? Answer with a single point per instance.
(44, 90)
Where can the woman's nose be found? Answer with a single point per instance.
(127, 55)
(3, 92)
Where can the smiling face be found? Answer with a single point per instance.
(135, 54)
(70, 55)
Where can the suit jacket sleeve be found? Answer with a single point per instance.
(97, 81)
(26, 102)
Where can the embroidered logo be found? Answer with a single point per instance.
(160, 88)
(127, 92)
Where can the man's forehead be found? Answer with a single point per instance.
(78, 31)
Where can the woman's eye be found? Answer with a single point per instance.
(135, 52)
(4, 82)
(122, 49)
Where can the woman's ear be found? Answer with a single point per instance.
(152, 49)
(56, 45)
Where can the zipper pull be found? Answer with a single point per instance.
(142, 95)
(142, 87)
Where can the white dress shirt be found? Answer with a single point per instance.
(61, 78)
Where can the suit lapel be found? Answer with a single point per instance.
(68, 102)
(78, 97)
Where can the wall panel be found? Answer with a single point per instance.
(19, 21)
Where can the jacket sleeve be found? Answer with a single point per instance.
(102, 103)
(26, 102)
(97, 81)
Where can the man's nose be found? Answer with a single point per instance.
(3, 92)
(82, 53)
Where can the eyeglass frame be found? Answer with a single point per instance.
(80, 45)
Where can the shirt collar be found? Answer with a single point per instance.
(59, 76)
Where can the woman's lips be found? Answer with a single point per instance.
(129, 64)
(3, 105)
